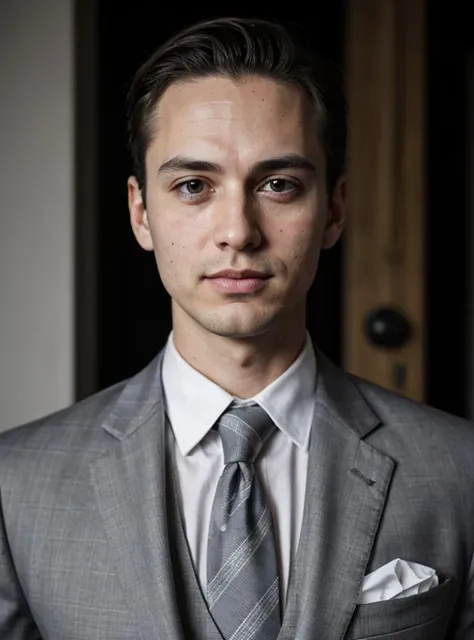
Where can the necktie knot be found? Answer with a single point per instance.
(244, 430)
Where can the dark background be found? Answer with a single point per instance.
(132, 309)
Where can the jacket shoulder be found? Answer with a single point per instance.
(67, 428)
(424, 430)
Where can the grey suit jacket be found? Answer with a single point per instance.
(86, 547)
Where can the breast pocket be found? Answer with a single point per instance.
(414, 618)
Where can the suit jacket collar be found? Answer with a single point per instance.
(338, 394)
(336, 391)
(141, 397)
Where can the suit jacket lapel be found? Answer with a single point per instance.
(130, 485)
(346, 489)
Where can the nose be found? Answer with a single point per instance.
(237, 224)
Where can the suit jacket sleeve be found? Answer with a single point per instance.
(16, 622)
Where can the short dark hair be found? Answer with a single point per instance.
(236, 47)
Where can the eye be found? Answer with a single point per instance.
(192, 188)
(280, 185)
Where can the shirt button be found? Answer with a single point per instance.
(223, 527)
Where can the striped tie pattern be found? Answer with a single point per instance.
(242, 577)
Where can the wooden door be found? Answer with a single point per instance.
(384, 273)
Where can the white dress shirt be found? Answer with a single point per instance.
(194, 403)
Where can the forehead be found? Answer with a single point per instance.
(239, 121)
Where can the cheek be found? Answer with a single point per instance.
(299, 233)
(174, 246)
(301, 243)
(165, 245)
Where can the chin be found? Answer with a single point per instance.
(235, 334)
(237, 328)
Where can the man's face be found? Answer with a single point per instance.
(237, 207)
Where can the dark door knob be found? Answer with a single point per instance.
(388, 328)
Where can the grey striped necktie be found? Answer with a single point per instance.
(242, 577)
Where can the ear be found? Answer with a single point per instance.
(336, 214)
(138, 215)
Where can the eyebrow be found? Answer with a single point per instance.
(290, 161)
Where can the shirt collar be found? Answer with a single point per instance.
(194, 403)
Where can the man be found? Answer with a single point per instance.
(241, 486)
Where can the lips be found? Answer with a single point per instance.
(239, 275)
(230, 281)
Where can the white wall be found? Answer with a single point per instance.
(36, 208)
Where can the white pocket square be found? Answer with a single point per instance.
(397, 579)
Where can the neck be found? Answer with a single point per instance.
(244, 366)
